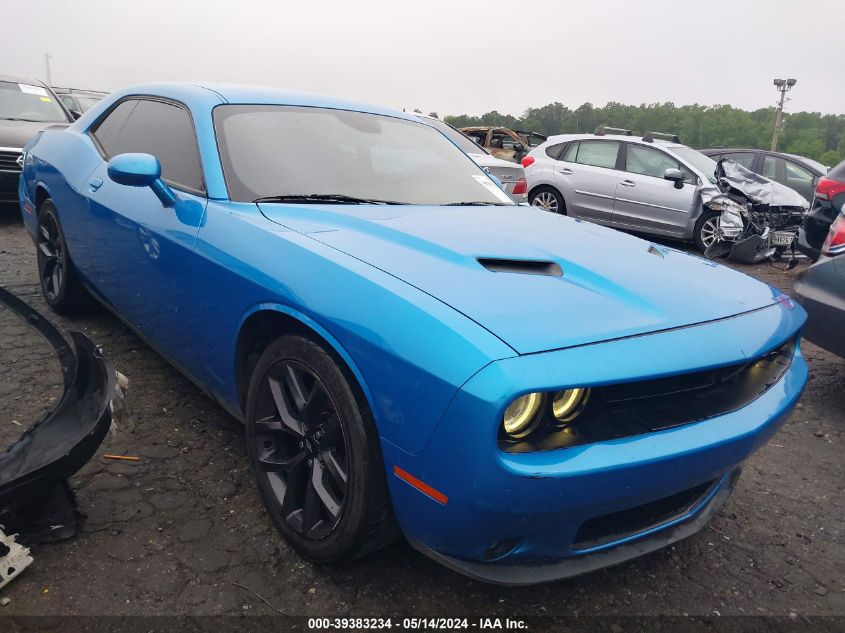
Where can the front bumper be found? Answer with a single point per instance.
(521, 518)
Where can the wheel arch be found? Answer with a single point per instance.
(266, 322)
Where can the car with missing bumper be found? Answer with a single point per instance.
(525, 396)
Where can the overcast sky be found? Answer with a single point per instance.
(452, 57)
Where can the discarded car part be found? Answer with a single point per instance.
(759, 219)
(14, 558)
(63, 440)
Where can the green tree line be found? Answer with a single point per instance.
(810, 134)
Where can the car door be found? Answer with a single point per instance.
(645, 200)
(586, 176)
(791, 174)
(138, 253)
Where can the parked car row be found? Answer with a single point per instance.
(504, 143)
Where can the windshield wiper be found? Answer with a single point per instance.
(11, 118)
(477, 204)
(324, 197)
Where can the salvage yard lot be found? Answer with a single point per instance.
(173, 532)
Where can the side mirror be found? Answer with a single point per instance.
(675, 176)
(141, 170)
(519, 148)
(75, 114)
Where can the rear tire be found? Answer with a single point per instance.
(315, 453)
(548, 199)
(705, 231)
(60, 284)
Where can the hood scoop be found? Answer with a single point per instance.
(521, 266)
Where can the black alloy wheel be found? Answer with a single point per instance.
(51, 258)
(316, 453)
(300, 446)
(61, 287)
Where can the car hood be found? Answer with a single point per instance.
(18, 133)
(612, 284)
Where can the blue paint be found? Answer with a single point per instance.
(439, 344)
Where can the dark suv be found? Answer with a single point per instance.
(27, 106)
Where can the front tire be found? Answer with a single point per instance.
(60, 285)
(548, 199)
(706, 228)
(315, 453)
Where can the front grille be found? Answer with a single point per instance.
(618, 525)
(634, 408)
(8, 161)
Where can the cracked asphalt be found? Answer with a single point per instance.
(173, 532)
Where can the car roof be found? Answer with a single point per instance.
(563, 138)
(22, 80)
(199, 93)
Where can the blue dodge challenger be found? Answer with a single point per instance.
(522, 395)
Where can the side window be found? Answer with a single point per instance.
(771, 168)
(68, 102)
(649, 161)
(553, 151)
(165, 131)
(502, 140)
(110, 128)
(478, 137)
(746, 159)
(598, 153)
(571, 153)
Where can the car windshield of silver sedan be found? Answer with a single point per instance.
(328, 156)
(23, 102)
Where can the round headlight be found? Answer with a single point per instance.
(568, 404)
(521, 416)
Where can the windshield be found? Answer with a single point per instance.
(270, 151)
(464, 142)
(29, 103)
(699, 161)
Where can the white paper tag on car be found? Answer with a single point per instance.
(33, 90)
(490, 186)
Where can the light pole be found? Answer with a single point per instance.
(783, 86)
(47, 58)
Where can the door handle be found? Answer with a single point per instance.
(95, 184)
(566, 171)
(628, 183)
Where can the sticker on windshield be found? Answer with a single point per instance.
(490, 186)
(46, 99)
(33, 90)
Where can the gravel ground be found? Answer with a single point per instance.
(171, 533)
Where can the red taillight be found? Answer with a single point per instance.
(528, 160)
(835, 242)
(520, 187)
(826, 188)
